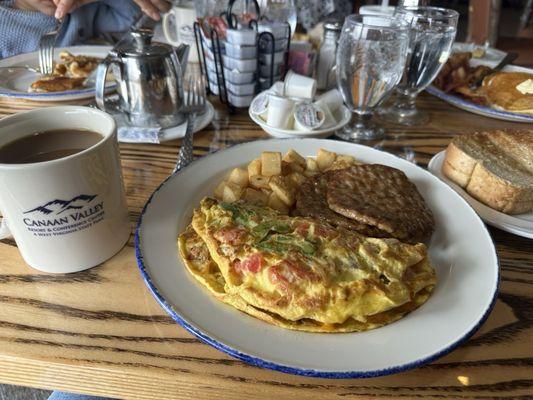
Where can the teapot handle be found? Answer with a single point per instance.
(101, 77)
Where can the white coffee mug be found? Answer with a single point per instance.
(67, 214)
(178, 28)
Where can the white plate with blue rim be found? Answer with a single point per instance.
(14, 83)
(461, 250)
(520, 224)
(486, 111)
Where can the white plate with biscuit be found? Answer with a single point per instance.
(461, 250)
(521, 224)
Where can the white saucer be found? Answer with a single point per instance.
(521, 224)
(177, 132)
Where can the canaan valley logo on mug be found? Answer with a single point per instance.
(61, 217)
(62, 196)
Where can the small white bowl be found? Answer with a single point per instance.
(291, 133)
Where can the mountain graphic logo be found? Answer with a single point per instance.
(57, 207)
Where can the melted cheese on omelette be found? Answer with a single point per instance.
(299, 269)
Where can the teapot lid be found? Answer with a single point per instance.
(142, 46)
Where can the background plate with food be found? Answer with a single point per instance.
(461, 251)
(497, 97)
(481, 53)
(521, 224)
(17, 83)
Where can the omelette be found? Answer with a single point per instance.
(300, 273)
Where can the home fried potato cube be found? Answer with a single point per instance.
(311, 165)
(254, 168)
(277, 204)
(239, 176)
(270, 163)
(219, 190)
(232, 192)
(259, 182)
(296, 179)
(292, 156)
(324, 159)
(254, 196)
(283, 190)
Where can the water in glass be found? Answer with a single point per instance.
(431, 37)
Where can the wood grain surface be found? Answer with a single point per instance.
(101, 332)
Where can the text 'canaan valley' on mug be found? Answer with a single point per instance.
(61, 190)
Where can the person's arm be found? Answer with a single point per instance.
(21, 28)
(150, 7)
(64, 7)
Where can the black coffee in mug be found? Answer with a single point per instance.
(48, 145)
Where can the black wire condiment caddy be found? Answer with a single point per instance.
(212, 53)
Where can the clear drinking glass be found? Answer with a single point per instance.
(370, 60)
(431, 37)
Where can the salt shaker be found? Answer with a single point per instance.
(326, 55)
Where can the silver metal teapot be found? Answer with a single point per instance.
(150, 81)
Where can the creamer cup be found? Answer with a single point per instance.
(332, 98)
(299, 86)
(308, 117)
(259, 106)
(330, 119)
(278, 88)
(280, 112)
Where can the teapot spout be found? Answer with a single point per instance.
(182, 54)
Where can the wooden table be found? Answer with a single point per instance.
(101, 332)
